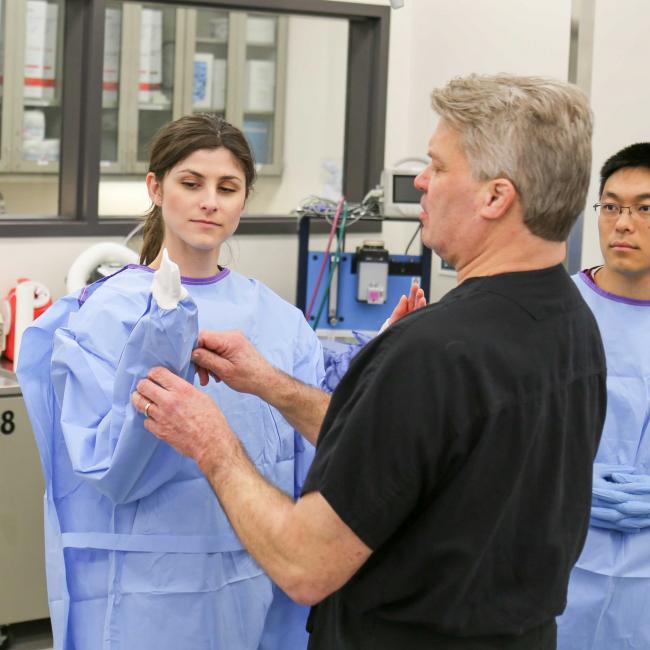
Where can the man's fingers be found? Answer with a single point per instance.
(210, 361)
(150, 390)
(139, 401)
(218, 342)
(413, 296)
(165, 378)
(204, 377)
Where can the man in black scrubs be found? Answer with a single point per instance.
(450, 492)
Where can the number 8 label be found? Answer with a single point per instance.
(7, 424)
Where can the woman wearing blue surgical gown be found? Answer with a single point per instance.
(139, 553)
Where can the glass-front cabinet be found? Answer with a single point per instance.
(159, 37)
(207, 34)
(237, 63)
(260, 97)
(3, 21)
(32, 40)
(160, 62)
(31, 82)
(111, 84)
(142, 47)
(41, 105)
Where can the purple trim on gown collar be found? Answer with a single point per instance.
(185, 280)
(587, 277)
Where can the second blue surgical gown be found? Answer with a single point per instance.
(609, 592)
(139, 553)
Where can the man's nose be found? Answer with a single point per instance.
(625, 220)
(421, 181)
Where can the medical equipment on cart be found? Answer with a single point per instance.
(340, 291)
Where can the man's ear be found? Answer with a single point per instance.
(154, 188)
(499, 196)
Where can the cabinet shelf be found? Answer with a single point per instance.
(220, 110)
(211, 40)
(155, 107)
(261, 44)
(42, 103)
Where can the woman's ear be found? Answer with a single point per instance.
(500, 195)
(154, 187)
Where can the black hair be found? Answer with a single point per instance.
(635, 155)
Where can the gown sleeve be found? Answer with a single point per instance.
(96, 363)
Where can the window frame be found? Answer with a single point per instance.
(79, 170)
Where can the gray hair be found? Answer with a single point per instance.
(534, 131)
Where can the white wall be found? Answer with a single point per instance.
(620, 95)
(45, 259)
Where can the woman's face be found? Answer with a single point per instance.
(201, 199)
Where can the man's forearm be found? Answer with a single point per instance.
(256, 510)
(303, 406)
(305, 554)
(304, 546)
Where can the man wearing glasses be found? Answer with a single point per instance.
(609, 591)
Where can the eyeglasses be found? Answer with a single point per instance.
(612, 211)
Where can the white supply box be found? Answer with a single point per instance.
(112, 38)
(260, 30)
(40, 50)
(260, 88)
(150, 78)
(219, 73)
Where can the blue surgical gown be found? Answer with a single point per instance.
(139, 553)
(608, 603)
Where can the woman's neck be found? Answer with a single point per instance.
(192, 263)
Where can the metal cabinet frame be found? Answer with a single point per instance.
(365, 114)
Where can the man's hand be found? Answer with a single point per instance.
(406, 305)
(230, 357)
(305, 547)
(185, 418)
